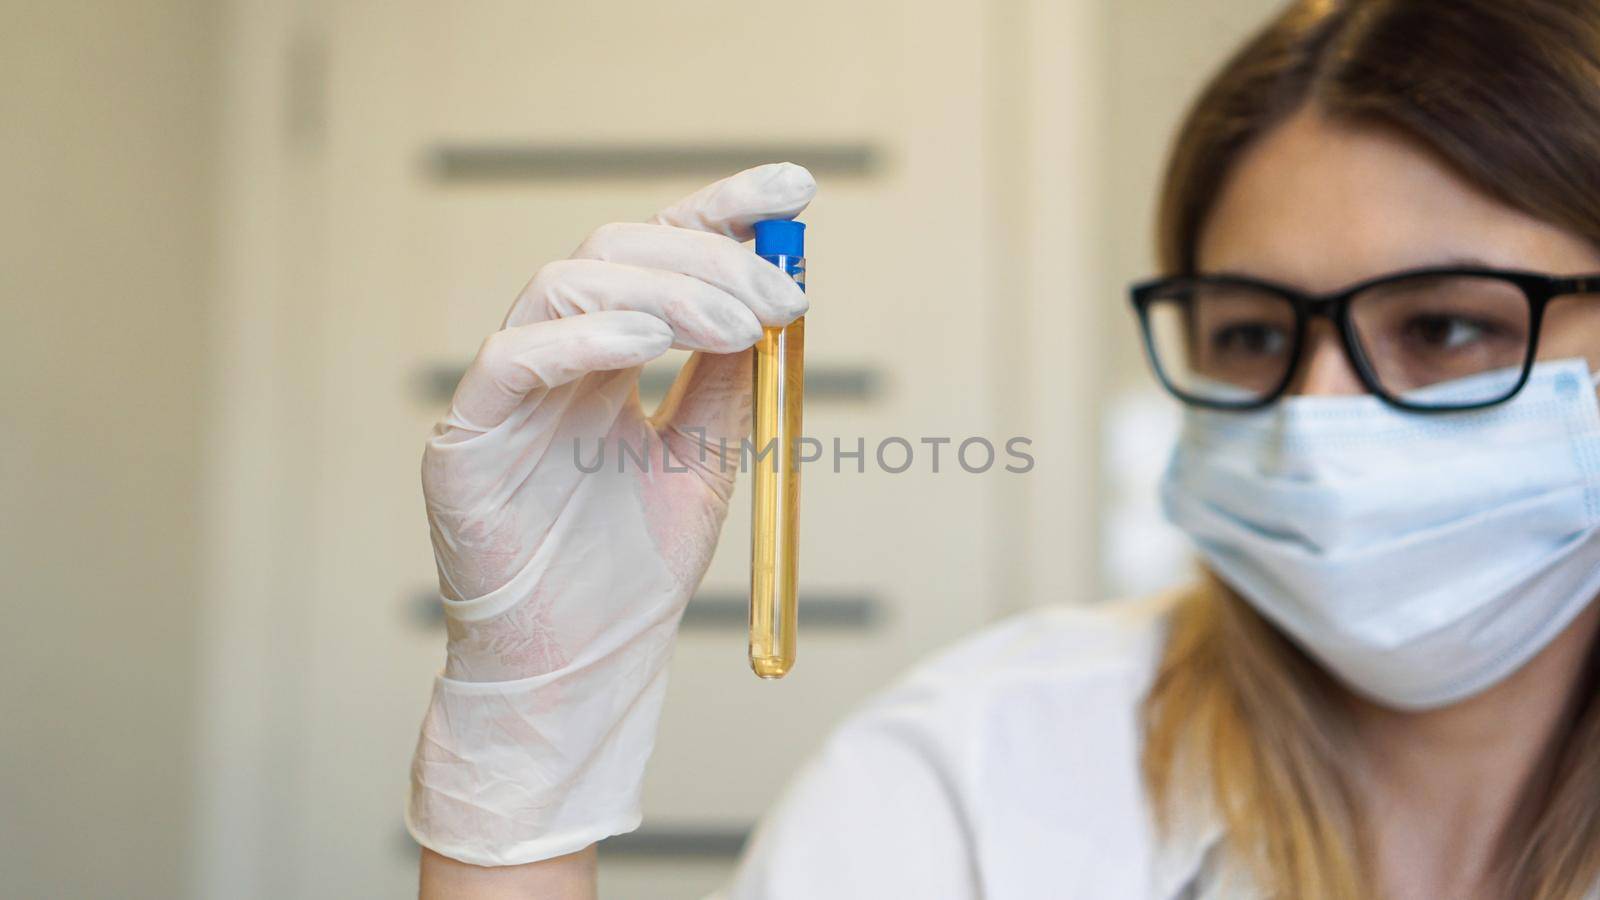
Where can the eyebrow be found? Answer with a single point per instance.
(1464, 261)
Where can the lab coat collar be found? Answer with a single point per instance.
(1192, 861)
(1187, 856)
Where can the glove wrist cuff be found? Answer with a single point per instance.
(514, 772)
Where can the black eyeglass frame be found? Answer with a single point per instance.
(1538, 289)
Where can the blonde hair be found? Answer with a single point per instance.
(1268, 733)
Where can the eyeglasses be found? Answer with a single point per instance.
(1230, 342)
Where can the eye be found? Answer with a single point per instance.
(1444, 331)
(1248, 339)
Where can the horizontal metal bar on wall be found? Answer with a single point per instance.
(512, 161)
(714, 842)
(818, 609)
(826, 383)
(678, 842)
(728, 609)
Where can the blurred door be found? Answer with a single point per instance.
(431, 159)
(447, 151)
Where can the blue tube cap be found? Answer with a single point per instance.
(780, 237)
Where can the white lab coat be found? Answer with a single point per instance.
(1005, 768)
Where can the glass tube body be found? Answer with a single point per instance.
(776, 407)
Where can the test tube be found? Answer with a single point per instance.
(779, 393)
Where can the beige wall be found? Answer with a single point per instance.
(104, 224)
(1161, 53)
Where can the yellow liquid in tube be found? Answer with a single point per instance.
(775, 501)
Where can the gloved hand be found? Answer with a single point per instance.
(563, 587)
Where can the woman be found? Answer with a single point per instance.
(1381, 228)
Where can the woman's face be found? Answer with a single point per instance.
(1319, 205)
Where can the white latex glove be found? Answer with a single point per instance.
(563, 589)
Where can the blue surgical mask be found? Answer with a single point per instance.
(1420, 558)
